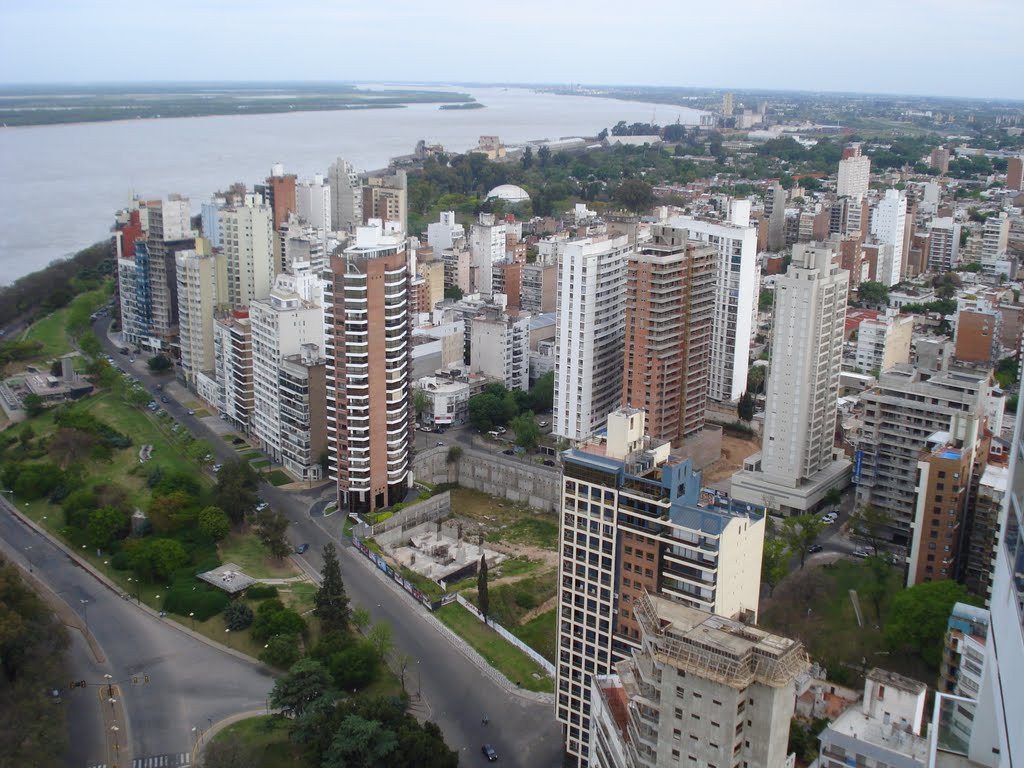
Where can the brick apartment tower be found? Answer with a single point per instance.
(670, 293)
(367, 338)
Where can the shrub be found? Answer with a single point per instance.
(237, 616)
(355, 667)
(282, 651)
(202, 600)
(261, 591)
(525, 599)
(283, 621)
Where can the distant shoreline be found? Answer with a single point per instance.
(23, 108)
(467, 105)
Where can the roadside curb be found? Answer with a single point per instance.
(208, 735)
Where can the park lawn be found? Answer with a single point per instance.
(539, 633)
(266, 739)
(51, 333)
(298, 596)
(277, 477)
(249, 554)
(816, 608)
(496, 651)
(516, 566)
(214, 628)
(536, 531)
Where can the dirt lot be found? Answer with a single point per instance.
(734, 451)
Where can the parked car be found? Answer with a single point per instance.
(860, 553)
(301, 549)
(218, 467)
(261, 506)
(509, 452)
(439, 443)
(814, 548)
(489, 753)
(548, 463)
(542, 423)
(164, 399)
(191, 412)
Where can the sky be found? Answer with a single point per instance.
(926, 47)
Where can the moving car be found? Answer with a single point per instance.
(814, 548)
(860, 553)
(217, 467)
(191, 412)
(261, 506)
(301, 549)
(489, 753)
(542, 423)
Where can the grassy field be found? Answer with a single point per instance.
(815, 607)
(530, 531)
(298, 596)
(496, 651)
(51, 333)
(277, 477)
(266, 743)
(540, 634)
(251, 556)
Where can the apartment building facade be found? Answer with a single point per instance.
(202, 291)
(247, 238)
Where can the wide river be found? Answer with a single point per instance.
(60, 185)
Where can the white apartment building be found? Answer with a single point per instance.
(346, 196)
(202, 290)
(736, 294)
(303, 246)
(943, 244)
(445, 233)
(486, 246)
(994, 241)
(290, 318)
(796, 466)
(500, 348)
(247, 238)
(302, 398)
(884, 341)
(591, 332)
(313, 202)
(702, 690)
(634, 522)
(889, 227)
(448, 400)
(232, 369)
(854, 175)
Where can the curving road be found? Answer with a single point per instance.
(454, 692)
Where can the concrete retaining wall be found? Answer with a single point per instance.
(425, 511)
(499, 475)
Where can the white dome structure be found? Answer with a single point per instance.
(510, 193)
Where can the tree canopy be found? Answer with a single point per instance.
(917, 618)
(331, 600)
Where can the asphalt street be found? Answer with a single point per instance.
(454, 692)
(191, 684)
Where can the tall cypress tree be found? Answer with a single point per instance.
(330, 600)
(481, 588)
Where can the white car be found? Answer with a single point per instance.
(261, 506)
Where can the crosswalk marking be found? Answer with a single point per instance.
(171, 760)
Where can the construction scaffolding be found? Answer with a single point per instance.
(718, 648)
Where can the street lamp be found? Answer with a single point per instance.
(85, 610)
(192, 616)
(227, 631)
(138, 588)
(110, 689)
(117, 746)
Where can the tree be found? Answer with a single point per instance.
(70, 445)
(544, 155)
(799, 532)
(918, 617)
(756, 378)
(527, 159)
(833, 497)
(159, 363)
(420, 401)
(331, 600)
(237, 616)
(382, 638)
(360, 619)
(403, 661)
(360, 743)
(745, 407)
(454, 455)
(870, 524)
(356, 666)
(453, 292)
(281, 651)
(272, 618)
(875, 589)
(774, 562)
(872, 293)
(483, 598)
(526, 429)
(271, 526)
(765, 299)
(306, 681)
(34, 405)
(155, 559)
(635, 195)
(213, 522)
(542, 393)
(106, 527)
(236, 494)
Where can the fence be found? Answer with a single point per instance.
(546, 665)
(398, 578)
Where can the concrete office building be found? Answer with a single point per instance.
(701, 690)
(775, 211)
(287, 320)
(313, 202)
(385, 198)
(500, 348)
(669, 304)
(247, 238)
(368, 349)
(797, 465)
(346, 196)
(1015, 173)
(899, 415)
(634, 522)
(889, 228)
(737, 283)
(854, 173)
(202, 291)
(591, 325)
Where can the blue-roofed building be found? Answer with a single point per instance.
(635, 520)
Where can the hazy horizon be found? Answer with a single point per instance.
(924, 48)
